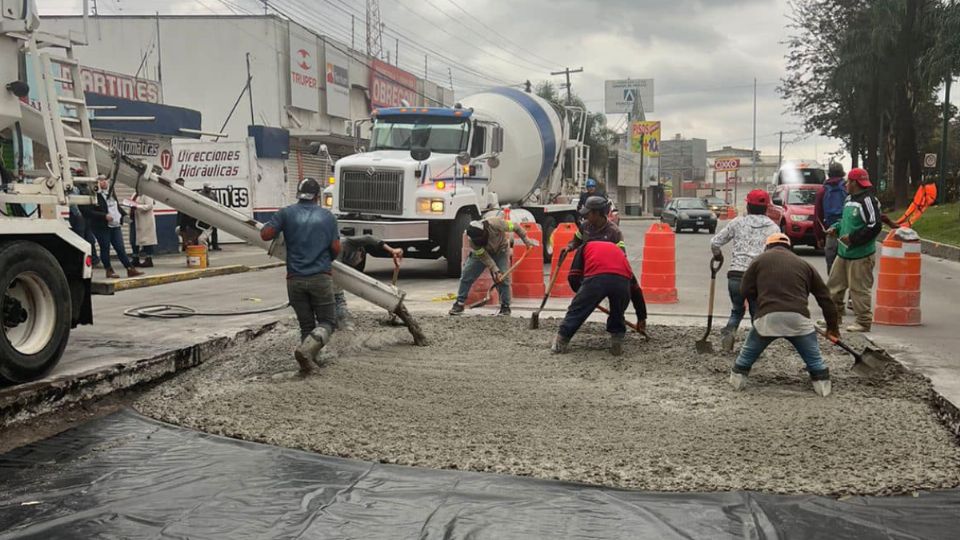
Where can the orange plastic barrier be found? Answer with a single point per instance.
(483, 283)
(898, 283)
(562, 236)
(658, 277)
(731, 212)
(527, 279)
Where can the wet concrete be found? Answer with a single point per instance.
(486, 395)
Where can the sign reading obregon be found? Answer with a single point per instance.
(337, 82)
(304, 70)
(726, 164)
(391, 86)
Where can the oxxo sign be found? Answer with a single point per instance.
(726, 164)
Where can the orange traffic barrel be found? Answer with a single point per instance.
(527, 279)
(562, 236)
(658, 277)
(898, 282)
(731, 212)
(483, 283)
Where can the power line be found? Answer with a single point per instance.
(503, 37)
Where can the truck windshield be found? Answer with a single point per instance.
(802, 176)
(441, 135)
(802, 196)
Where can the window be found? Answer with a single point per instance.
(690, 204)
(801, 196)
(478, 143)
(441, 135)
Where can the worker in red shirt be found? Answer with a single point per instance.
(601, 270)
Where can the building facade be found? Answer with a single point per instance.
(682, 162)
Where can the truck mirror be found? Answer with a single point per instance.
(420, 154)
(496, 145)
(463, 158)
(493, 162)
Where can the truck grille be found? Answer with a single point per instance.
(380, 192)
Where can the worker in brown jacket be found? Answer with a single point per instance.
(779, 282)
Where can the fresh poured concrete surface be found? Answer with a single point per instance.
(486, 395)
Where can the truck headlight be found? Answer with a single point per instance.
(430, 206)
(328, 201)
(798, 217)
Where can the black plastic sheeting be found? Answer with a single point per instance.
(126, 476)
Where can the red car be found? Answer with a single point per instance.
(792, 209)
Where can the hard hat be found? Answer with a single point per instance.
(207, 185)
(308, 189)
(475, 231)
(860, 176)
(835, 169)
(758, 197)
(778, 239)
(591, 183)
(594, 202)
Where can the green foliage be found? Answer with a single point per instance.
(939, 224)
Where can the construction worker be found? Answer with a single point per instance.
(828, 209)
(601, 270)
(592, 190)
(489, 241)
(313, 243)
(780, 283)
(595, 225)
(353, 253)
(749, 235)
(857, 233)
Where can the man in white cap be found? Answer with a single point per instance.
(489, 240)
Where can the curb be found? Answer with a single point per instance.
(942, 251)
(25, 401)
(111, 287)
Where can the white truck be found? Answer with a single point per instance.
(799, 171)
(45, 268)
(429, 171)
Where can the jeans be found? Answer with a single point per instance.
(472, 269)
(112, 236)
(755, 344)
(340, 299)
(830, 251)
(312, 300)
(856, 275)
(593, 290)
(737, 311)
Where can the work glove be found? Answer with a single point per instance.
(498, 277)
(718, 257)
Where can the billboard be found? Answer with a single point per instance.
(109, 83)
(726, 164)
(622, 96)
(390, 86)
(304, 70)
(650, 131)
(337, 82)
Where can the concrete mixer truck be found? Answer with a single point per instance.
(429, 171)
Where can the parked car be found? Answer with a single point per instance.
(792, 209)
(717, 205)
(689, 213)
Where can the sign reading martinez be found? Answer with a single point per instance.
(109, 83)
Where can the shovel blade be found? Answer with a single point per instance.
(878, 359)
(861, 369)
(704, 347)
(535, 320)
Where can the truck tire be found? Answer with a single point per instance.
(455, 244)
(35, 312)
(549, 225)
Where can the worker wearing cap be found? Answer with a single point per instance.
(353, 253)
(596, 226)
(312, 243)
(780, 283)
(489, 241)
(592, 190)
(600, 270)
(749, 235)
(857, 233)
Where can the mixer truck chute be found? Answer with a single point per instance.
(429, 171)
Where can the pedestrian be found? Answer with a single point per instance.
(592, 189)
(143, 230)
(600, 270)
(749, 235)
(595, 225)
(828, 209)
(780, 283)
(353, 253)
(856, 234)
(188, 228)
(209, 193)
(106, 220)
(489, 241)
(313, 243)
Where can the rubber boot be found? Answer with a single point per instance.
(821, 382)
(727, 339)
(560, 344)
(306, 354)
(738, 378)
(616, 344)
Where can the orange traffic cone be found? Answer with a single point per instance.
(898, 283)
(527, 279)
(658, 276)
(562, 236)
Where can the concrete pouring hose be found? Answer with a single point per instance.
(177, 311)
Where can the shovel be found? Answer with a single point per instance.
(869, 363)
(486, 297)
(646, 337)
(704, 346)
(535, 318)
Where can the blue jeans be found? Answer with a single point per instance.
(593, 290)
(112, 236)
(755, 344)
(472, 269)
(737, 311)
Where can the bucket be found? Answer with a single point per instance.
(197, 256)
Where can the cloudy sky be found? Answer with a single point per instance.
(702, 54)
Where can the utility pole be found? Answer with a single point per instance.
(353, 32)
(425, 67)
(753, 156)
(250, 90)
(396, 53)
(160, 57)
(567, 72)
(780, 155)
(450, 73)
(941, 180)
(265, 7)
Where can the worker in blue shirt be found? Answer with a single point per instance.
(313, 243)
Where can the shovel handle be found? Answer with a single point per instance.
(839, 343)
